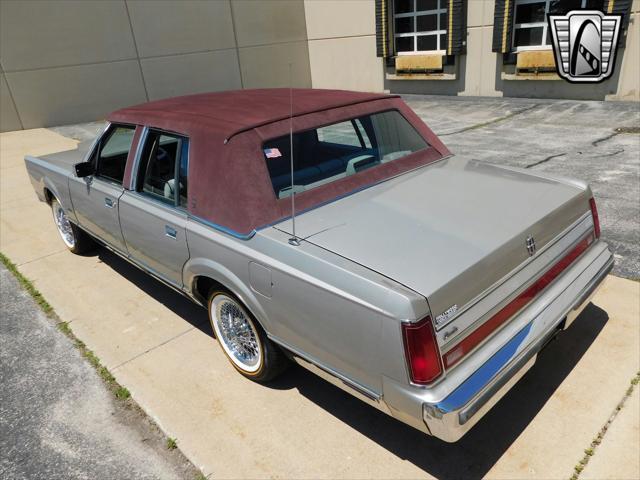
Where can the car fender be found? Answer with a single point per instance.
(196, 267)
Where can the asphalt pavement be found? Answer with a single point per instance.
(57, 418)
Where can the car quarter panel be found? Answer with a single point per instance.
(46, 176)
(52, 172)
(335, 313)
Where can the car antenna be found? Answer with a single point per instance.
(294, 239)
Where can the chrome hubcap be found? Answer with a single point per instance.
(64, 226)
(236, 332)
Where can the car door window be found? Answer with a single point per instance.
(113, 151)
(162, 173)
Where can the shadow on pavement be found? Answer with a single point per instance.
(471, 457)
(178, 304)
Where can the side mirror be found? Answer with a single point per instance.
(84, 169)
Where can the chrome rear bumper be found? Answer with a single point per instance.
(452, 415)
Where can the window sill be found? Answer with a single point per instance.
(421, 76)
(530, 76)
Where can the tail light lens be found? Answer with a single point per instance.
(596, 219)
(421, 350)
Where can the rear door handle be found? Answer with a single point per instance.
(108, 202)
(170, 232)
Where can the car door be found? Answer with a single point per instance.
(95, 198)
(153, 212)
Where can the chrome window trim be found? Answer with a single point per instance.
(95, 142)
(136, 159)
(159, 203)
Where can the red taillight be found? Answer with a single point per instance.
(421, 349)
(596, 219)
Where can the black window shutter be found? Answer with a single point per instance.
(456, 27)
(502, 26)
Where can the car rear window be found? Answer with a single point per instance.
(336, 151)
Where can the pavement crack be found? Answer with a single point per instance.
(604, 139)
(544, 160)
(611, 154)
(151, 349)
(617, 131)
(40, 258)
(490, 122)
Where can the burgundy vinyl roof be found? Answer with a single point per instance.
(229, 185)
(229, 113)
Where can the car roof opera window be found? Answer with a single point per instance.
(113, 149)
(164, 164)
(336, 151)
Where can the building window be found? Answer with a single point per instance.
(420, 26)
(530, 30)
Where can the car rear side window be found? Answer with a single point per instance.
(113, 152)
(162, 173)
(336, 151)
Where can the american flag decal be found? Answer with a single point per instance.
(272, 153)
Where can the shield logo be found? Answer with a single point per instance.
(585, 44)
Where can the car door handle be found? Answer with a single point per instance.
(170, 232)
(108, 202)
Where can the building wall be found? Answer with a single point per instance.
(629, 85)
(480, 61)
(342, 44)
(69, 61)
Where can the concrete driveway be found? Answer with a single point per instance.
(161, 348)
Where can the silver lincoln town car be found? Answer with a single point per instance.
(335, 229)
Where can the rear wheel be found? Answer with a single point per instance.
(76, 240)
(243, 340)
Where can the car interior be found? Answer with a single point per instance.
(160, 156)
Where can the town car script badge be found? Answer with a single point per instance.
(584, 44)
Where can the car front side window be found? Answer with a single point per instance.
(113, 150)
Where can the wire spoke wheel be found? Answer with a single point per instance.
(236, 333)
(64, 225)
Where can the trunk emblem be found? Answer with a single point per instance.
(531, 246)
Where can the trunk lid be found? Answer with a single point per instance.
(449, 230)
